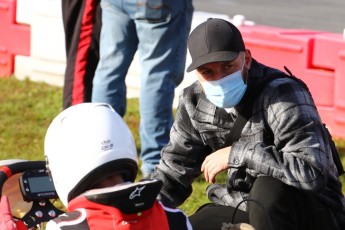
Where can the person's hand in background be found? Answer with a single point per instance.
(215, 163)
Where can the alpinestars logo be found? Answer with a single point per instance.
(136, 192)
(106, 145)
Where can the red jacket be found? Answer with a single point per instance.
(116, 209)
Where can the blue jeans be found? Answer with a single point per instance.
(159, 30)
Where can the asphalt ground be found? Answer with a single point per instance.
(324, 15)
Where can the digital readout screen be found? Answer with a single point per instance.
(41, 184)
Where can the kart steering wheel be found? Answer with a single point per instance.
(42, 210)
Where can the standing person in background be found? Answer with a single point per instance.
(158, 29)
(82, 26)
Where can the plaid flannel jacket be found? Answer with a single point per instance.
(284, 138)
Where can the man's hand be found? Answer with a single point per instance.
(215, 163)
(6, 219)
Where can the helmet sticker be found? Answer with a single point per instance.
(107, 145)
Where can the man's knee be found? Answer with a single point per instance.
(272, 204)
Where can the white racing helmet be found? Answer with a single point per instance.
(85, 143)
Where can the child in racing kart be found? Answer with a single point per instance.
(92, 158)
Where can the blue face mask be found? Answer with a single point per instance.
(226, 92)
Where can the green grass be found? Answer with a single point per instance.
(27, 108)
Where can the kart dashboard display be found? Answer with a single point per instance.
(37, 185)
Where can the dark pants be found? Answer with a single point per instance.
(82, 25)
(274, 206)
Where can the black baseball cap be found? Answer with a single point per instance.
(212, 41)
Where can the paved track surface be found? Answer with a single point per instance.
(324, 15)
